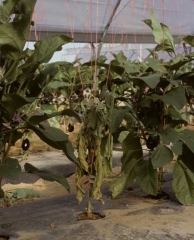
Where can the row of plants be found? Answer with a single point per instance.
(23, 80)
(130, 102)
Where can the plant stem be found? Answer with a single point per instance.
(160, 178)
(91, 155)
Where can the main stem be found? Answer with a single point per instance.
(91, 155)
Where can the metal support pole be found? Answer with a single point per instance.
(107, 27)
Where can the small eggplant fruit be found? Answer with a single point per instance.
(25, 144)
(152, 142)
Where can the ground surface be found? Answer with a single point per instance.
(53, 217)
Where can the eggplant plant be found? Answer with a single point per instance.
(24, 76)
(156, 93)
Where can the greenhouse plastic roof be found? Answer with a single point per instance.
(110, 21)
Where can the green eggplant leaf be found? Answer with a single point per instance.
(14, 34)
(189, 39)
(7, 9)
(162, 34)
(183, 183)
(36, 85)
(55, 138)
(10, 168)
(174, 113)
(47, 175)
(169, 135)
(175, 97)
(161, 156)
(147, 177)
(12, 102)
(126, 178)
(117, 117)
(187, 156)
(132, 154)
(177, 148)
(156, 65)
(187, 137)
(177, 62)
(44, 50)
(35, 119)
(150, 80)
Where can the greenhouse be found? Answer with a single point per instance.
(96, 123)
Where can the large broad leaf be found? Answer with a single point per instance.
(177, 148)
(15, 34)
(188, 138)
(10, 168)
(187, 157)
(177, 62)
(175, 97)
(174, 113)
(126, 178)
(36, 85)
(187, 77)
(147, 177)
(56, 138)
(6, 10)
(48, 134)
(161, 33)
(169, 135)
(160, 156)
(40, 118)
(183, 183)
(150, 80)
(189, 39)
(155, 65)
(132, 153)
(117, 117)
(44, 50)
(12, 102)
(47, 175)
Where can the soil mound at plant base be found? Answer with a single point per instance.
(90, 216)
